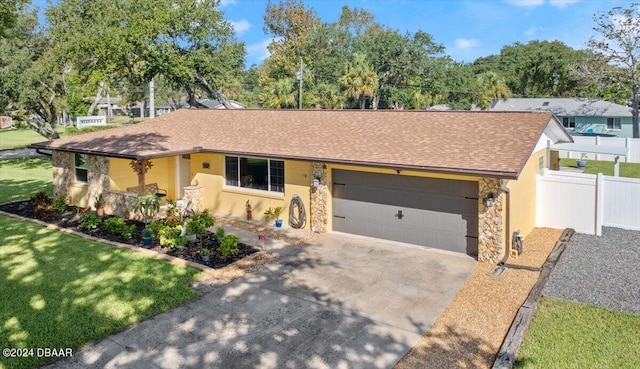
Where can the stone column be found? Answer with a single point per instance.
(194, 193)
(97, 176)
(490, 221)
(319, 198)
(61, 162)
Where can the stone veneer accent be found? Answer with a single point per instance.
(97, 177)
(194, 193)
(490, 221)
(61, 163)
(319, 198)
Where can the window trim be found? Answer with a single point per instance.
(571, 122)
(76, 168)
(239, 181)
(616, 124)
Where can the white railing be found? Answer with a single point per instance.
(98, 120)
(586, 202)
(632, 145)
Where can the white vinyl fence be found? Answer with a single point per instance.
(586, 202)
(633, 145)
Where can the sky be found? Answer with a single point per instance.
(467, 28)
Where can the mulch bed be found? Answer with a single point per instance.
(191, 252)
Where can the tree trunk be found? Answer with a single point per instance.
(213, 92)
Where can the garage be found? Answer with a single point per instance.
(439, 213)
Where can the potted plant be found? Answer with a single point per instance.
(198, 223)
(274, 213)
(146, 236)
(148, 206)
(205, 254)
(582, 162)
(99, 204)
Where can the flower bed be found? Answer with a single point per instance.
(128, 232)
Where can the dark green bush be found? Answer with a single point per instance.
(60, 204)
(90, 221)
(117, 226)
(229, 245)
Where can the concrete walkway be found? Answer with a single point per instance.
(340, 302)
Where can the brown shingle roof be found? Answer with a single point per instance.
(472, 142)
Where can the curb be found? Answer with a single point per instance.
(513, 340)
(211, 272)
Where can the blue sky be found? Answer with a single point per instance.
(467, 28)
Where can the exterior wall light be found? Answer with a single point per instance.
(315, 183)
(489, 200)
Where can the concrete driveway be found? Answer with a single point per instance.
(341, 302)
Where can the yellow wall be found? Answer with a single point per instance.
(218, 197)
(330, 167)
(523, 197)
(163, 173)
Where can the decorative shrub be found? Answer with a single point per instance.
(199, 222)
(117, 226)
(90, 221)
(171, 236)
(229, 245)
(42, 203)
(219, 233)
(60, 204)
(156, 226)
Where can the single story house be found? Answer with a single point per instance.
(579, 116)
(395, 175)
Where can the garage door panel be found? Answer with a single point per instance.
(368, 204)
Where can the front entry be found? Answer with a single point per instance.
(184, 170)
(439, 213)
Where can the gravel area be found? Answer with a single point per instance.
(603, 270)
(18, 153)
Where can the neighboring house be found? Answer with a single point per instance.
(215, 104)
(108, 106)
(581, 116)
(394, 175)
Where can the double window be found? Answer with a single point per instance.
(80, 167)
(569, 122)
(614, 123)
(255, 173)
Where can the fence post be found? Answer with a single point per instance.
(599, 205)
(627, 144)
(597, 144)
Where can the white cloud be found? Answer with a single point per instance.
(562, 3)
(531, 31)
(227, 2)
(241, 26)
(259, 50)
(526, 3)
(466, 43)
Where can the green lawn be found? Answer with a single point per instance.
(631, 170)
(21, 178)
(59, 290)
(13, 138)
(566, 334)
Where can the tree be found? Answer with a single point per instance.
(9, 13)
(619, 45)
(32, 80)
(493, 88)
(188, 42)
(360, 80)
(280, 95)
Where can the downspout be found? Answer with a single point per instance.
(505, 189)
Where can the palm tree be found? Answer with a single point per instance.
(327, 96)
(493, 88)
(280, 95)
(360, 80)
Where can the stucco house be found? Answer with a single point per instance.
(395, 175)
(579, 116)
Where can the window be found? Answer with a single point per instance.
(546, 103)
(259, 174)
(80, 167)
(614, 123)
(569, 122)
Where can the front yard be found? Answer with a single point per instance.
(62, 291)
